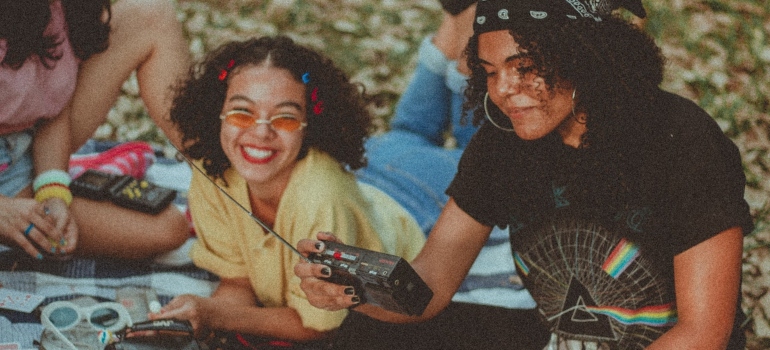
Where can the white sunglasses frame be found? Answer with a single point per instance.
(124, 317)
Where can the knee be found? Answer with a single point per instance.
(172, 231)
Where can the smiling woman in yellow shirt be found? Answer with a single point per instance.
(279, 128)
(320, 197)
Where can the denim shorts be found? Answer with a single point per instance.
(15, 162)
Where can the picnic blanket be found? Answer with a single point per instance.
(492, 279)
(100, 279)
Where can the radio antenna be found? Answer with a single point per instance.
(256, 219)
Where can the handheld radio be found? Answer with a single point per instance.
(380, 279)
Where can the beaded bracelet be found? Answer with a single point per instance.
(54, 190)
(51, 176)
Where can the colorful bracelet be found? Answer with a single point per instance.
(54, 190)
(51, 176)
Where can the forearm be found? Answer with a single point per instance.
(443, 291)
(443, 262)
(52, 143)
(269, 322)
(235, 308)
(434, 308)
(683, 336)
(707, 282)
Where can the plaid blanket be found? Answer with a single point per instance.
(77, 277)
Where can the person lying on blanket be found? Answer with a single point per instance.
(277, 126)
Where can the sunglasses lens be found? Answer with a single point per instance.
(104, 318)
(63, 317)
(286, 123)
(241, 120)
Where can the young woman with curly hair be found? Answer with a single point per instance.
(279, 127)
(624, 202)
(62, 64)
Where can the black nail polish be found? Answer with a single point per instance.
(349, 290)
(318, 245)
(326, 271)
(355, 300)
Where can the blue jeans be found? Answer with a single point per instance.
(410, 162)
(15, 162)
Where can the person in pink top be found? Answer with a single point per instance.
(62, 64)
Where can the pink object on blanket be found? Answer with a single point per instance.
(131, 158)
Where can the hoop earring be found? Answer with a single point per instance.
(582, 120)
(486, 112)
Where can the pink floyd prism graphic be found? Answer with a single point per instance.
(595, 289)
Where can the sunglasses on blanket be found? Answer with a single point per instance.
(61, 316)
(282, 122)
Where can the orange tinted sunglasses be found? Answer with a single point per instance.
(245, 120)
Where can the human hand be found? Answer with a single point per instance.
(320, 293)
(65, 236)
(187, 307)
(26, 222)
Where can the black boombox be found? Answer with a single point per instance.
(380, 279)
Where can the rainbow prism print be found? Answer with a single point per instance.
(655, 316)
(620, 258)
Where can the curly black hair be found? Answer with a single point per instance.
(340, 128)
(23, 24)
(615, 68)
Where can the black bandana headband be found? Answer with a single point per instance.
(494, 15)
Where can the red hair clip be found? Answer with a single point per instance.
(319, 106)
(223, 73)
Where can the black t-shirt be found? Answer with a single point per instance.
(594, 232)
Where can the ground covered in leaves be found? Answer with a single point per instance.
(719, 56)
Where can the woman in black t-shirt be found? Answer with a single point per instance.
(625, 203)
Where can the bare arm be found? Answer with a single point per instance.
(443, 263)
(707, 280)
(234, 307)
(52, 143)
(145, 37)
(51, 151)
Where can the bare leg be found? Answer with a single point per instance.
(108, 230)
(145, 37)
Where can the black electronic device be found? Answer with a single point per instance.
(123, 190)
(387, 281)
(94, 185)
(380, 279)
(157, 335)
